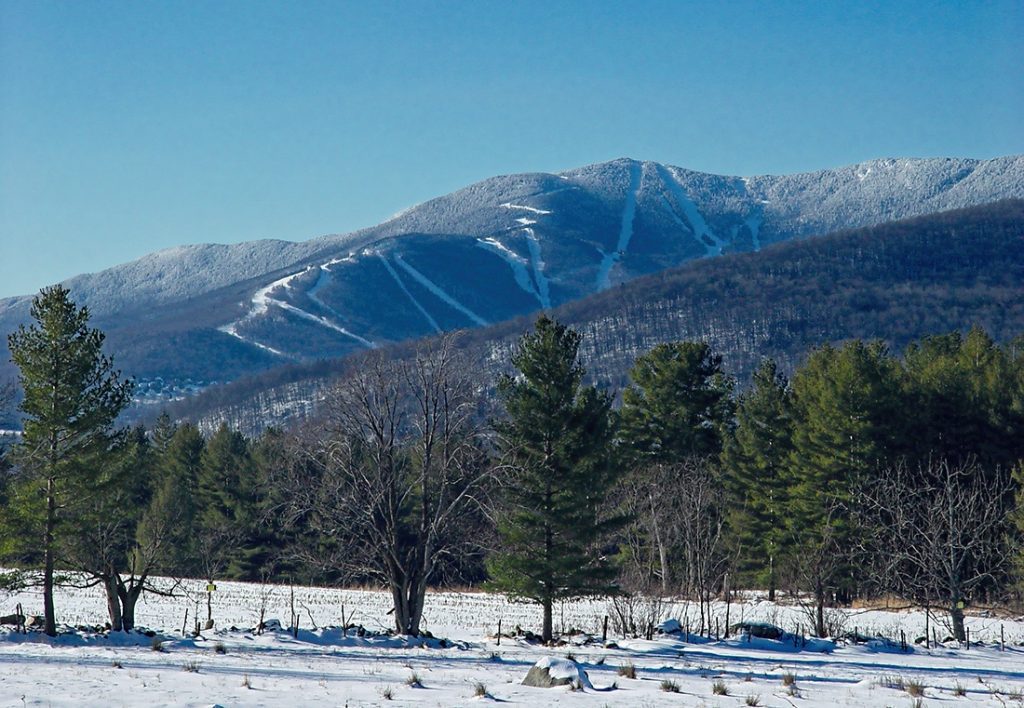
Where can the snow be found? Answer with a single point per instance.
(416, 303)
(263, 298)
(436, 290)
(328, 666)
(701, 231)
(509, 205)
(516, 262)
(537, 263)
(608, 260)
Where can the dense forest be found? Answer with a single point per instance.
(896, 282)
(864, 473)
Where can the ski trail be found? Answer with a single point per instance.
(713, 245)
(288, 307)
(754, 224)
(423, 311)
(510, 205)
(608, 260)
(262, 300)
(516, 262)
(321, 281)
(433, 288)
(537, 263)
(230, 329)
(260, 303)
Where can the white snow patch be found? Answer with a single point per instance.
(423, 311)
(510, 205)
(537, 262)
(516, 262)
(526, 222)
(436, 290)
(754, 224)
(609, 260)
(713, 245)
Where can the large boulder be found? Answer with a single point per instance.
(552, 671)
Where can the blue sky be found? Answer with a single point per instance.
(126, 127)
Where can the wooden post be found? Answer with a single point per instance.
(184, 623)
(604, 630)
(499, 631)
(968, 639)
(927, 645)
(1002, 639)
(903, 641)
(728, 605)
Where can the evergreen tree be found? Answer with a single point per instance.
(678, 403)
(227, 501)
(847, 414)
(175, 485)
(754, 459)
(73, 395)
(558, 435)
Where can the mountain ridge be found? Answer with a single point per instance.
(194, 315)
(896, 281)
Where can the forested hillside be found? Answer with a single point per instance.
(897, 281)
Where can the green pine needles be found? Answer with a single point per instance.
(557, 435)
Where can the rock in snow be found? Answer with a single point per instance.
(550, 672)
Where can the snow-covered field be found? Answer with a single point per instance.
(229, 666)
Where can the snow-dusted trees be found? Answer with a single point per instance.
(388, 481)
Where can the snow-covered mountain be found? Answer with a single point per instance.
(184, 317)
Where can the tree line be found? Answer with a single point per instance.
(864, 474)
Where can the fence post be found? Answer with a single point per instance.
(499, 631)
(604, 630)
(1002, 639)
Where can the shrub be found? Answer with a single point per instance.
(479, 690)
(915, 688)
(719, 688)
(627, 670)
(669, 686)
(753, 700)
(788, 678)
(191, 666)
(219, 648)
(414, 681)
(156, 645)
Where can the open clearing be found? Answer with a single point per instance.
(232, 667)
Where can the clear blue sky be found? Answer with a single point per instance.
(126, 127)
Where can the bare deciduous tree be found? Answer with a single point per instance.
(677, 537)
(937, 533)
(392, 473)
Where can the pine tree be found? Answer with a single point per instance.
(847, 422)
(73, 395)
(558, 435)
(227, 501)
(678, 403)
(754, 459)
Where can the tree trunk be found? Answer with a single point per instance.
(771, 578)
(401, 608)
(129, 597)
(662, 551)
(110, 585)
(547, 633)
(49, 616)
(956, 614)
(819, 611)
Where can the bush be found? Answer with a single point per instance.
(669, 686)
(627, 670)
(719, 688)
